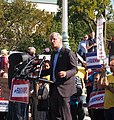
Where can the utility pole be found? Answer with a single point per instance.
(65, 23)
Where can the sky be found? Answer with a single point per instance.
(54, 1)
(112, 1)
(44, 1)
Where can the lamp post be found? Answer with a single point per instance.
(65, 23)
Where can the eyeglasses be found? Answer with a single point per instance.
(85, 37)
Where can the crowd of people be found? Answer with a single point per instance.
(62, 99)
(98, 80)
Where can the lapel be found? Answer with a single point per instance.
(59, 57)
(52, 59)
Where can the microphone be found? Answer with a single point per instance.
(44, 58)
(41, 66)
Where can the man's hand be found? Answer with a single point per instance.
(62, 74)
(95, 44)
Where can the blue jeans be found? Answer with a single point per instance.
(109, 114)
(16, 110)
(12, 111)
(21, 112)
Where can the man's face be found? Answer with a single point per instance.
(112, 65)
(85, 37)
(96, 78)
(55, 41)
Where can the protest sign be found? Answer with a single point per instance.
(92, 61)
(20, 91)
(97, 99)
(100, 40)
(3, 105)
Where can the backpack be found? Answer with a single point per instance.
(79, 86)
(75, 98)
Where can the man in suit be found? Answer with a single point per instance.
(62, 71)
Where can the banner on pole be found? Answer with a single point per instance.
(20, 91)
(99, 39)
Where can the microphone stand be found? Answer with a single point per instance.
(35, 99)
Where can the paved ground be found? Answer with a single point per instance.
(87, 118)
(86, 112)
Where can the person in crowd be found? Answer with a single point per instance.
(111, 47)
(91, 44)
(82, 49)
(98, 112)
(88, 84)
(43, 94)
(17, 110)
(62, 72)
(46, 66)
(76, 103)
(4, 75)
(4, 65)
(108, 83)
(31, 51)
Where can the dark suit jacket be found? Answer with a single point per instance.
(67, 61)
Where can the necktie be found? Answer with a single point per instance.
(54, 64)
(55, 52)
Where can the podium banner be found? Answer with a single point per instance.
(97, 100)
(20, 91)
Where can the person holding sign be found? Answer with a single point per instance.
(108, 83)
(95, 102)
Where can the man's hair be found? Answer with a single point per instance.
(58, 35)
(31, 50)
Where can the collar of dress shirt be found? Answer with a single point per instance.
(58, 50)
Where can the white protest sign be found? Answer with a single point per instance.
(99, 39)
(4, 105)
(92, 61)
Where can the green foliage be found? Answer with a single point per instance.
(23, 25)
(110, 30)
(82, 17)
(19, 22)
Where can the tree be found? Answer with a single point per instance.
(110, 30)
(88, 10)
(82, 16)
(20, 21)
